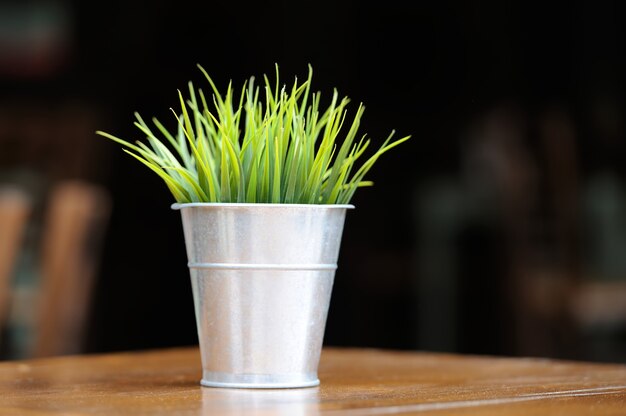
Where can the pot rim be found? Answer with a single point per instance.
(178, 206)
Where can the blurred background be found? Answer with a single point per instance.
(499, 228)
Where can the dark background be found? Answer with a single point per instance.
(475, 231)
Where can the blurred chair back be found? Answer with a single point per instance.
(15, 207)
(76, 217)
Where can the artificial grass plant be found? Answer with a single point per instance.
(278, 149)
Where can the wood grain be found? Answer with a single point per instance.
(353, 382)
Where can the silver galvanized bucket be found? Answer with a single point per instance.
(262, 277)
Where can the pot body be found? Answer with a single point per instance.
(262, 277)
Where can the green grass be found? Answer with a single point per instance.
(260, 145)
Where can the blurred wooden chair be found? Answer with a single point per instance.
(76, 217)
(15, 207)
(560, 302)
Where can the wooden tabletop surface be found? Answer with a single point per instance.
(353, 382)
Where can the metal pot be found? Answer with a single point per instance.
(262, 277)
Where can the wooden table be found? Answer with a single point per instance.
(353, 382)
